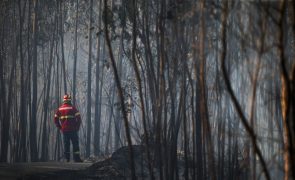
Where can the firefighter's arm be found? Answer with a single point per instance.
(56, 120)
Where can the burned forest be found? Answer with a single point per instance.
(159, 90)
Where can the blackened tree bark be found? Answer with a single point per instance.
(29, 74)
(75, 53)
(4, 142)
(203, 95)
(61, 33)
(22, 151)
(6, 103)
(47, 88)
(185, 128)
(118, 133)
(58, 150)
(287, 100)
(160, 87)
(33, 122)
(96, 140)
(88, 115)
(197, 118)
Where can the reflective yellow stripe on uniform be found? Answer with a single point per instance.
(77, 114)
(65, 108)
(66, 117)
(77, 152)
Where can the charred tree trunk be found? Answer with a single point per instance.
(96, 140)
(61, 33)
(33, 122)
(197, 118)
(88, 115)
(203, 95)
(3, 121)
(22, 151)
(47, 90)
(6, 102)
(287, 100)
(75, 54)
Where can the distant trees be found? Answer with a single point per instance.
(204, 85)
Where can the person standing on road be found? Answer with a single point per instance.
(67, 118)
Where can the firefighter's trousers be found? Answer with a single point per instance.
(68, 138)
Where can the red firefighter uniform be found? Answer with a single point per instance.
(67, 118)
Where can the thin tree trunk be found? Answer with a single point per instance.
(117, 123)
(160, 87)
(7, 106)
(88, 115)
(45, 142)
(61, 15)
(198, 120)
(58, 143)
(203, 98)
(96, 139)
(22, 151)
(3, 121)
(33, 123)
(75, 54)
(287, 101)
(111, 116)
(28, 76)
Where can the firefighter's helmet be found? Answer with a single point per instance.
(67, 98)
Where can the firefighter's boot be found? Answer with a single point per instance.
(77, 158)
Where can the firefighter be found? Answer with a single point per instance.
(67, 118)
